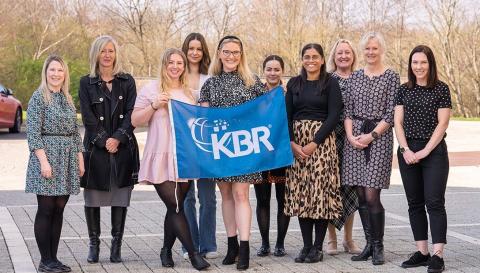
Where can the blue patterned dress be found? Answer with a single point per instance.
(53, 127)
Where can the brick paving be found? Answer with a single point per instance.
(144, 236)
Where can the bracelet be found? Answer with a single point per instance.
(151, 105)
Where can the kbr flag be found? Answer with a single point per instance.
(222, 142)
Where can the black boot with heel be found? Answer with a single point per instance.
(92, 216)
(367, 250)
(119, 214)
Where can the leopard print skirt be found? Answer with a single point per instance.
(313, 184)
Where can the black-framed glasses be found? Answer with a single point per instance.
(235, 54)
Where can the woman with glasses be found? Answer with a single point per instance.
(368, 151)
(314, 103)
(232, 83)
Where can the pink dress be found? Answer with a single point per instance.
(157, 164)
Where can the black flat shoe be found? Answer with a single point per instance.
(416, 259)
(166, 257)
(49, 267)
(63, 267)
(279, 252)
(436, 265)
(263, 251)
(302, 255)
(314, 256)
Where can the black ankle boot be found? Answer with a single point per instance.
(232, 251)
(377, 222)
(92, 216)
(198, 262)
(367, 250)
(166, 257)
(243, 256)
(303, 254)
(119, 214)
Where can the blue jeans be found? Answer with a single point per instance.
(204, 239)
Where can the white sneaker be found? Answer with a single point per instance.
(211, 255)
(185, 256)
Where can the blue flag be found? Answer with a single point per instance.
(221, 142)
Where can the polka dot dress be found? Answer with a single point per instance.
(370, 99)
(225, 90)
(420, 105)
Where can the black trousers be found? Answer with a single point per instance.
(425, 183)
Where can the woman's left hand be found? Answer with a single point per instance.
(112, 145)
(365, 139)
(422, 154)
(309, 148)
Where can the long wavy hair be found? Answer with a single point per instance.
(205, 62)
(47, 97)
(165, 82)
(243, 70)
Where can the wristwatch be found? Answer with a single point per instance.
(404, 149)
(375, 135)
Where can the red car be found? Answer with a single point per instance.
(10, 110)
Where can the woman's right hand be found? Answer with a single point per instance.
(409, 157)
(46, 170)
(297, 151)
(354, 141)
(161, 100)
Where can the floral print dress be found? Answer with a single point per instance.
(53, 127)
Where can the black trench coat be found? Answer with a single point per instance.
(99, 127)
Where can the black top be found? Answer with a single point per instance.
(420, 106)
(311, 104)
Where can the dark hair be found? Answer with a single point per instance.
(300, 80)
(432, 67)
(205, 62)
(274, 58)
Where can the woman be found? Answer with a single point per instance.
(312, 193)
(157, 166)
(203, 230)
(421, 119)
(232, 83)
(273, 67)
(107, 96)
(367, 155)
(341, 63)
(56, 161)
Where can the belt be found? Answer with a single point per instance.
(57, 134)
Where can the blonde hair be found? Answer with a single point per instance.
(165, 81)
(373, 35)
(47, 97)
(243, 70)
(95, 51)
(331, 65)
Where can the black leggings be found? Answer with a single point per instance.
(306, 226)
(175, 225)
(370, 198)
(425, 183)
(263, 192)
(48, 225)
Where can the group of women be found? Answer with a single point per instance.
(340, 122)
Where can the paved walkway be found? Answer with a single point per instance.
(144, 228)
